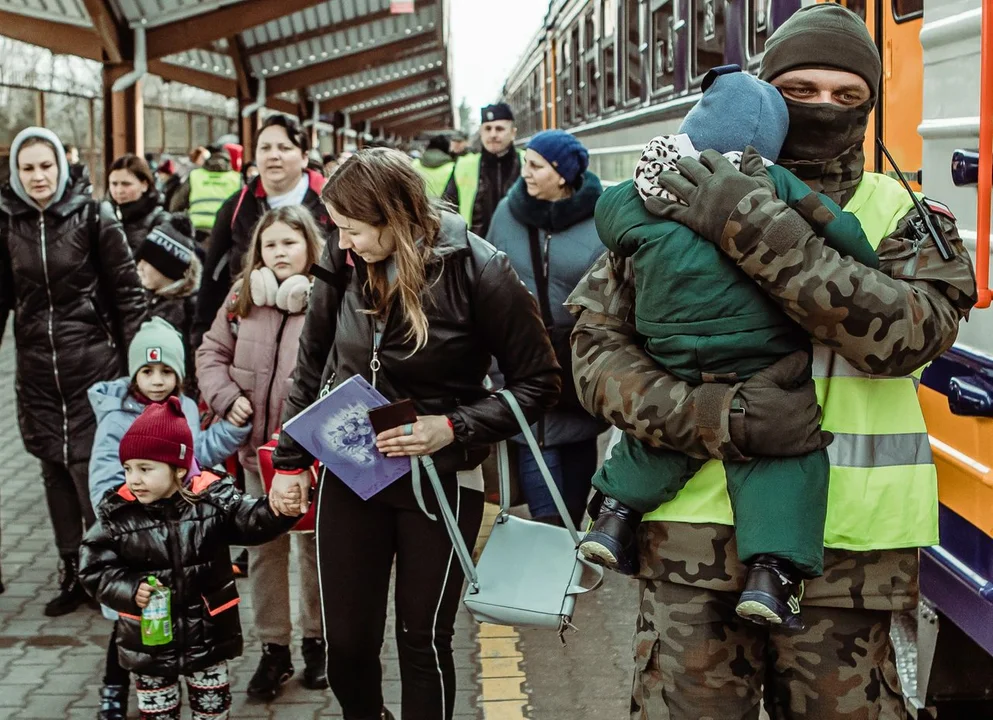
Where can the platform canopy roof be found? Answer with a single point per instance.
(355, 56)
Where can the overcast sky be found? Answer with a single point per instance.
(487, 39)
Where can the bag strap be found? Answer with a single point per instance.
(546, 474)
(540, 278)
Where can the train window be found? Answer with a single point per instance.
(708, 35)
(757, 20)
(589, 57)
(904, 10)
(632, 51)
(578, 84)
(663, 47)
(608, 54)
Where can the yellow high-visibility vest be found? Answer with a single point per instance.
(435, 178)
(883, 490)
(208, 191)
(467, 181)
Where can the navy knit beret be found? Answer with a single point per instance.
(564, 152)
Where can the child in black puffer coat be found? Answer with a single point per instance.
(176, 525)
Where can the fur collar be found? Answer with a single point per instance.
(555, 216)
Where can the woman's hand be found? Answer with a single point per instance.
(427, 436)
(240, 412)
(143, 596)
(290, 494)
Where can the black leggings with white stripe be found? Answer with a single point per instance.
(356, 544)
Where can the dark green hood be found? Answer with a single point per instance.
(621, 218)
(434, 158)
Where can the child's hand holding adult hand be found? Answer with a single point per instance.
(143, 596)
(240, 412)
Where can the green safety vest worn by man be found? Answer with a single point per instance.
(880, 458)
(467, 181)
(208, 191)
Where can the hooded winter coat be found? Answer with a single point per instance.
(185, 545)
(68, 275)
(255, 357)
(116, 410)
(230, 240)
(476, 309)
(573, 246)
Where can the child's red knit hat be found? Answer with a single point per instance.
(160, 433)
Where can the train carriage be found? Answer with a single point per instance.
(617, 72)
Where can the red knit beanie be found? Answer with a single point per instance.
(160, 433)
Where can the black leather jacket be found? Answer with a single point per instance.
(477, 308)
(185, 546)
(68, 276)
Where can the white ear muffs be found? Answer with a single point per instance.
(264, 287)
(293, 294)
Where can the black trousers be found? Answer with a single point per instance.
(67, 490)
(356, 544)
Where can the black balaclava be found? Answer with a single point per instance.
(824, 143)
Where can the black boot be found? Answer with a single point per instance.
(275, 668)
(773, 590)
(613, 539)
(71, 593)
(315, 664)
(113, 702)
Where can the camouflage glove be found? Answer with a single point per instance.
(775, 413)
(710, 190)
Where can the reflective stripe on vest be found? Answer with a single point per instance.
(467, 181)
(883, 490)
(208, 191)
(435, 178)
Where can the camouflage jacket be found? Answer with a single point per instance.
(917, 296)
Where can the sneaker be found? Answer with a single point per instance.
(772, 595)
(239, 566)
(275, 668)
(315, 664)
(613, 539)
(71, 593)
(113, 702)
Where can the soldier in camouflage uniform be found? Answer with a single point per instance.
(695, 658)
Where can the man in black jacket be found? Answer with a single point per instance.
(281, 152)
(480, 181)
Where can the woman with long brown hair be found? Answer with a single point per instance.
(413, 302)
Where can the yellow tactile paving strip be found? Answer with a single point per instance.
(501, 675)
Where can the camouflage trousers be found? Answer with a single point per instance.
(695, 659)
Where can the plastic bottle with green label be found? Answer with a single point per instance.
(156, 618)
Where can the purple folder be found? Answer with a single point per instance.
(336, 430)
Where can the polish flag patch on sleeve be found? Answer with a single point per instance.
(153, 354)
(939, 208)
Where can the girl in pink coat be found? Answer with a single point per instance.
(245, 367)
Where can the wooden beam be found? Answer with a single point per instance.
(196, 78)
(414, 112)
(417, 122)
(284, 106)
(242, 73)
(360, 96)
(206, 27)
(60, 38)
(336, 67)
(387, 107)
(107, 30)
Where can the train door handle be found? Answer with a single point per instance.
(965, 167)
(971, 396)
